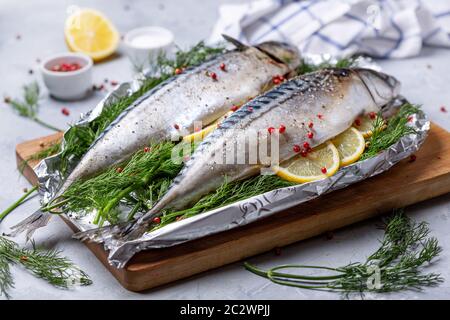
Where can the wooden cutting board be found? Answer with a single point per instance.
(406, 183)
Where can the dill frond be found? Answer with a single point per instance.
(398, 264)
(51, 150)
(227, 193)
(396, 128)
(196, 55)
(48, 265)
(28, 106)
(139, 180)
(306, 67)
(6, 279)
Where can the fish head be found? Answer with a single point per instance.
(382, 87)
(282, 52)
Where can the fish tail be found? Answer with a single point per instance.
(29, 225)
(125, 231)
(239, 45)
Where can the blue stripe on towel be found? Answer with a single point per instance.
(303, 7)
(442, 14)
(398, 41)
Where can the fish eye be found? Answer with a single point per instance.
(344, 73)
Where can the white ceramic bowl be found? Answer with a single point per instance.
(143, 45)
(70, 85)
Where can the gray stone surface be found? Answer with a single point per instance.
(40, 23)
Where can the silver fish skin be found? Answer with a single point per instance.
(338, 95)
(192, 97)
(331, 99)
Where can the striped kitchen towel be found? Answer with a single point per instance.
(380, 28)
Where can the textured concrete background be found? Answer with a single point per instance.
(40, 26)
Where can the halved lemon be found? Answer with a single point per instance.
(321, 162)
(90, 32)
(350, 144)
(365, 124)
(201, 134)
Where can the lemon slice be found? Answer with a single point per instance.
(200, 135)
(350, 144)
(321, 162)
(365, 124)
(90, 32)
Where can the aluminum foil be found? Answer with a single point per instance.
(242, 212)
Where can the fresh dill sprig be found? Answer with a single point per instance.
(145, 179)
(387, 132)
(397, 264)
(138, 181)
(163, 65)
(306, 67)
(6, 279)
(48, 265)
(28, 106)
(227, 193)
(196, 55)
(52, 149)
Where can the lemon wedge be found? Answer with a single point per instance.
(350, 145)
(365, 124)
(90, 32)
(323, 161)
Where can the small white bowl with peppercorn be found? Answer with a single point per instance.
(68, 76)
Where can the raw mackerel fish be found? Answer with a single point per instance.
(200, 94)
(331, 99)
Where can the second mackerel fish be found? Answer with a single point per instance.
(331, 99)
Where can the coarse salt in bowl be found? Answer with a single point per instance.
(144, 45)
